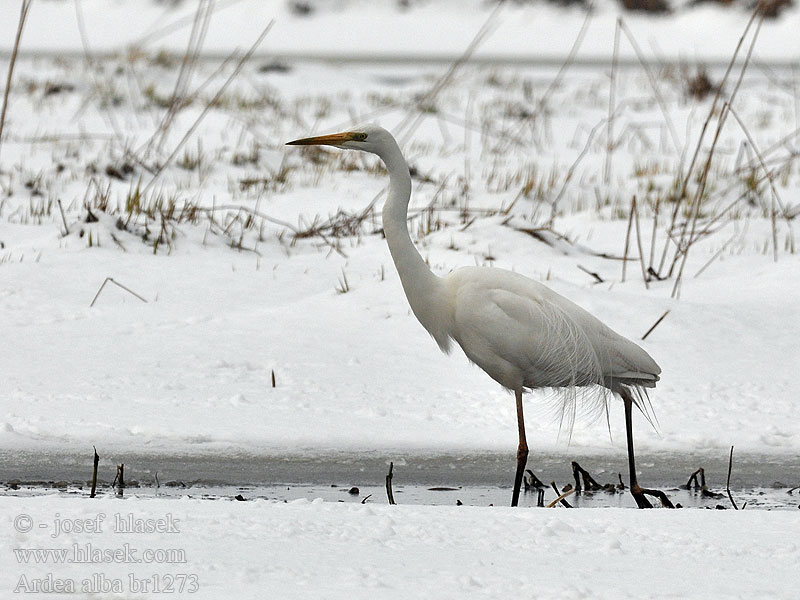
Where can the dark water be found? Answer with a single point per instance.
(474, 479)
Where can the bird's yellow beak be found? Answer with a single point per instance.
(334, 139)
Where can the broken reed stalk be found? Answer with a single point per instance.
(728, 482)
(63, 218)
(561, 498)
(534, 481)
(589, 482)
(111, 279)
(23, 15)
(699, 479)
(389, 493)
(93, 493)
(654, 325)
(119, 480)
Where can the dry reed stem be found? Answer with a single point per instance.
(627, 240)
(196, 38)
(409, 125)
(571, 172)
(775, 195)
(704, 175)
(690, 170)
(654, 84)
(210, 104)
(23, 15)
(90, 62)
(611, 105)
(541, 104)
(716, 255)
(635, 211)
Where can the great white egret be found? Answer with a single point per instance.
(524, 335)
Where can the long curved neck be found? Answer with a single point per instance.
(421, 286)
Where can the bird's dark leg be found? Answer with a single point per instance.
(522, 450)
(637, 492)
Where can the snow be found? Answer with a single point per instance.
(338, 549)
(191, 370)
(234, 305)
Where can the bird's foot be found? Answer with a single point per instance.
(640, 495)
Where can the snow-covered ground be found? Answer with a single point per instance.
(191, 370)
(331, 550)
(275, 324)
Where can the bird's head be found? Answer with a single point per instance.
(367, 138)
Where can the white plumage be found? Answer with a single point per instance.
(521, 333)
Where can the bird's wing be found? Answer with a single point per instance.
(520, 331)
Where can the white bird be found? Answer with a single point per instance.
(521, 333)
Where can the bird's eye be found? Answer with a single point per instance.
(359, 137)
